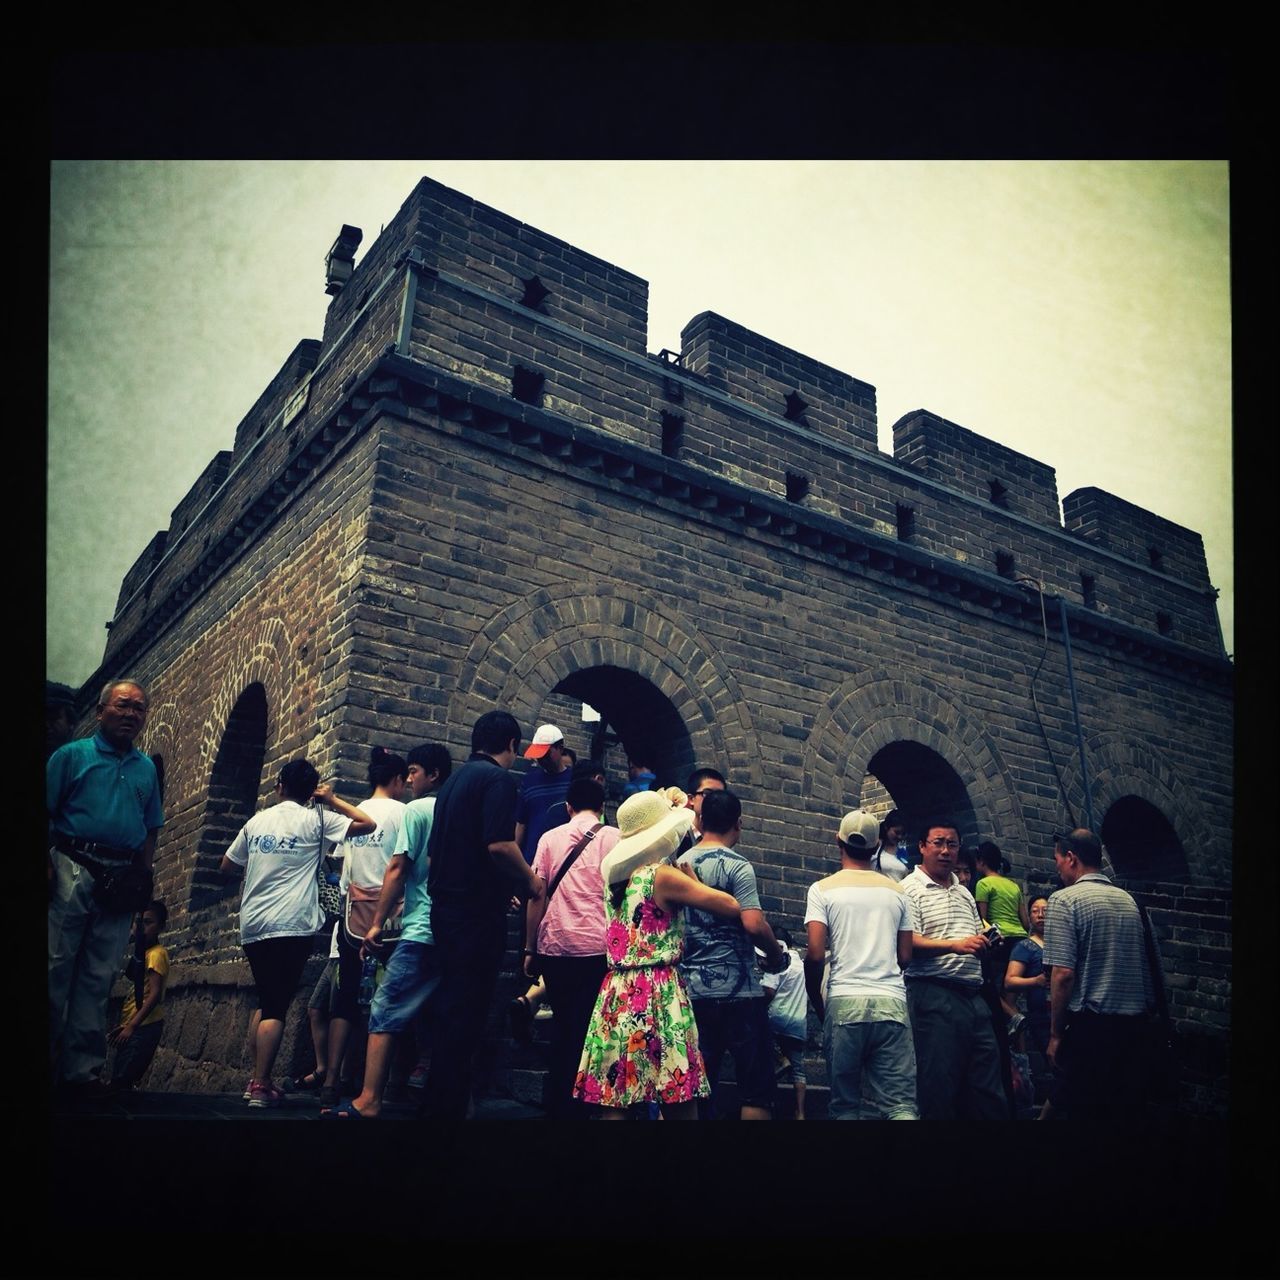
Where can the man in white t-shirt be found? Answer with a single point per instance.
(862, 917)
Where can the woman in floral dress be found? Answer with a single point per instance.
(642, 1044)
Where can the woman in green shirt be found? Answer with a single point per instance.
(1000, 902)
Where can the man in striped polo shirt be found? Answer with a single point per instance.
(957, 1057)
(1099, 988)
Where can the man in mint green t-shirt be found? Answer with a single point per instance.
(412, 973)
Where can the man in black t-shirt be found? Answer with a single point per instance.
(474, 862)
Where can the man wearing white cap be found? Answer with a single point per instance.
(861, 916)
(544, 785)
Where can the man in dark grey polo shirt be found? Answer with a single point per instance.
(1099, 988)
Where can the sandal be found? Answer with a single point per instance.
(346, 1112)
(312, 1082)
(521, 1018)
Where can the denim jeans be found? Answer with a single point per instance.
(875, 1061)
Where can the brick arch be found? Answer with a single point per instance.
(528, 648)
(259, 655)
(1121, 765)
(877, 708)
(258, 658)
(160, 737)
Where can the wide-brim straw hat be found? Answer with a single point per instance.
(652, 829)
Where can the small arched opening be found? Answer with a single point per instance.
(1141, 841)
(917, 781)
(158, 760)
(635, 718)
(234, 787)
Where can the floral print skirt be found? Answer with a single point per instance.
(642, 1044)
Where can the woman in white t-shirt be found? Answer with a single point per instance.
(279, 851)
(365, 858)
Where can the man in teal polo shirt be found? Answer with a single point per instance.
(103, 802)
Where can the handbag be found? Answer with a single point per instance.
(329, 882)
(121, 889)
(361, 903)
(534, 967)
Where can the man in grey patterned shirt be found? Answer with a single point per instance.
(1099, 987)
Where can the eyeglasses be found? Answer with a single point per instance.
(945, 844)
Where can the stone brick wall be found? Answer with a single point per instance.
(419, 545)
(281, 617)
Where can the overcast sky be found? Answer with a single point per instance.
(1076, 311)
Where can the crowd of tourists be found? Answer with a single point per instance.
(928, 977)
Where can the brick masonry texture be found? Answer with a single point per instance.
(395, 544)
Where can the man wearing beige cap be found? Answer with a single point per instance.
(861, 917)
(546, 784)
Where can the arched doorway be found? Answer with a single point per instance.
(234, 786)
(635, 716)
(917, 781)
(1141, 841)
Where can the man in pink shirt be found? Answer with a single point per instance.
(564, 934)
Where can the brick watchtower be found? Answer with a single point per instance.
(479, 488)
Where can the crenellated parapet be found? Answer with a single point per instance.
(783, 383)
(1103, 520)
(979, 468)
(283, 399)
(456, 286)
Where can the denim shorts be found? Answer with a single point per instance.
(413, 974)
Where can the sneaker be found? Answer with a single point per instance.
(418, 1076)
(262, 1093)
(248, 1089)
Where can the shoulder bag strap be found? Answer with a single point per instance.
(571, 859)
(1153, 966)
